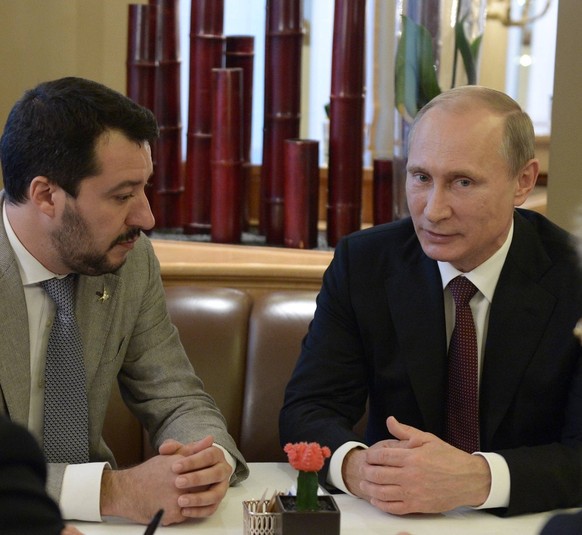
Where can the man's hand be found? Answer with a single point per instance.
(186, 480)
(203, 475)
(416, 473)
(139, 492)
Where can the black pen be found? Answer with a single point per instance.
(152, 526)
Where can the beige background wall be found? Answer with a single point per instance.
(44, 39)
(47, 39)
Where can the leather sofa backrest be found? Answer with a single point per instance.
(243, 348)
(213, 327)
(278, 323)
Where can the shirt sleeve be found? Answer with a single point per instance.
(81, 492)
(334, 475)
(500, 481)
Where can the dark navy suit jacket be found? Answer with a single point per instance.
(379, 337)
(25, 507)
(564, 524)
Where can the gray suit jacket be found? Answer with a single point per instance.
(128, 338)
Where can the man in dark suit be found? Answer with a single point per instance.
(25, 507)
(385, 315)
(563, 524)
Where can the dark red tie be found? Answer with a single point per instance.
(462, 417)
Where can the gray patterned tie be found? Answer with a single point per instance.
(66, 420)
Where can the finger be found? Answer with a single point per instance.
(199, 512)
(387, 498)
(379, 458)
(394, 508)
(173, 447)
(170, 447)
(412, 435)
(204, 502)
(206, 458)
(194, 475)
(197, 446)
(385, 493)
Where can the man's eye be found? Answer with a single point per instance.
(124, 198)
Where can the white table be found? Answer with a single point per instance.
(357, 516)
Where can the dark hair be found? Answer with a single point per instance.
(53, 129)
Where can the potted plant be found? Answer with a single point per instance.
(307, 512)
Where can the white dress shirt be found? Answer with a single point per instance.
(81, 487)
(485, 278)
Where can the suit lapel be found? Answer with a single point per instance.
(96, 301)
(518, 316)
(416, 306)
(15, 347)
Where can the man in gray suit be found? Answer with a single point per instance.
(76, 161)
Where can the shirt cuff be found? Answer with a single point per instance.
(229, 458)
(334, 475)
(500, 481)
(81, 491)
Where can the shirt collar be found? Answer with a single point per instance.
(484, 276)
(31, 270)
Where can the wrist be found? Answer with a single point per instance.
(110, 496)
(351, 470)
(482, 480)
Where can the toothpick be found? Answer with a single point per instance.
(262, 501)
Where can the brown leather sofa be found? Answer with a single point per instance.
(244, 346)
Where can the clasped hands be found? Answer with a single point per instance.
(186, 480)
(416, 472)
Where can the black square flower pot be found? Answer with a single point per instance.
(292, 522)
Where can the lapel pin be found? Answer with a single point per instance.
(104, 295)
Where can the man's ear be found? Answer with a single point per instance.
(42, 194)
(526, 181)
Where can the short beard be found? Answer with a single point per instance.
(72, 241)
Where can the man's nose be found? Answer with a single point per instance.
(437, 205)
(141, 215)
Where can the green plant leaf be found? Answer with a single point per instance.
(475, 45)
(469, 52)
(406, 82)
(429, 85)
(415, 77)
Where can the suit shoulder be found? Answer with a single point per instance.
(556, 241)
(382, 248)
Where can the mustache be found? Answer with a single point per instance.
(128, 236)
